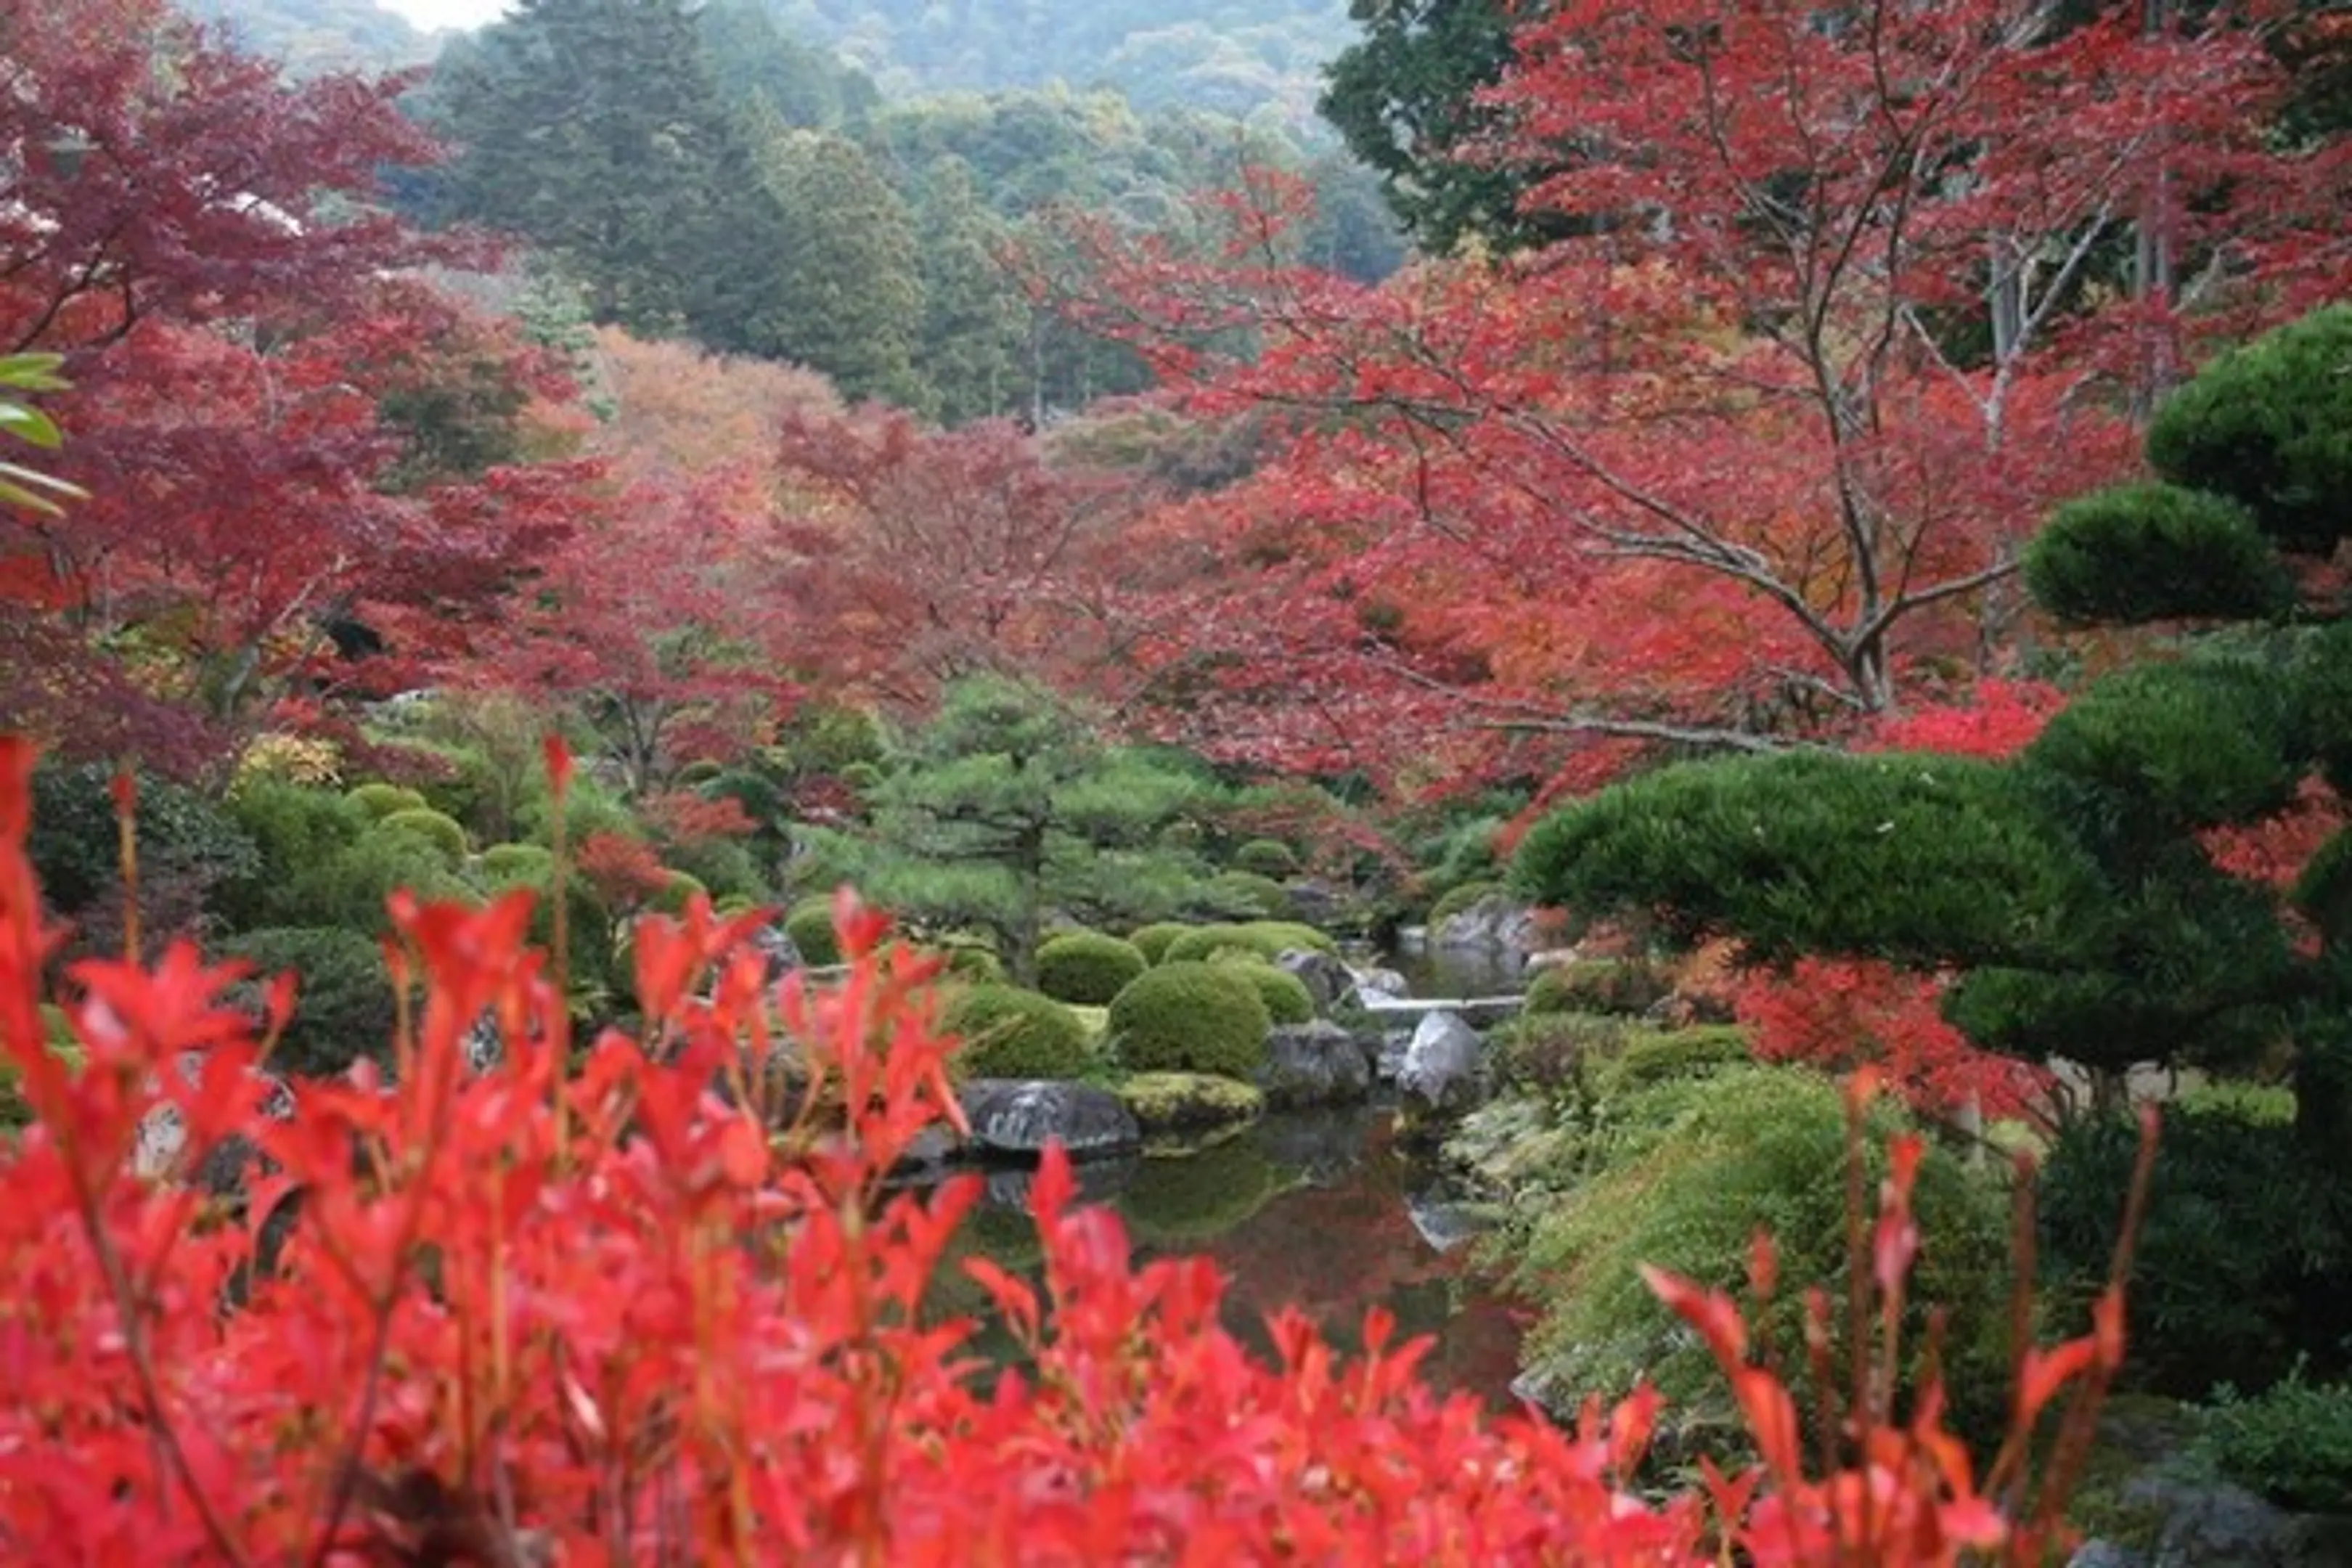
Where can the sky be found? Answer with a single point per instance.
(431, 14)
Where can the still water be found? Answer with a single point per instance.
(1320, 1212)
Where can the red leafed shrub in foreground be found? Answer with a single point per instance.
(588, 1313)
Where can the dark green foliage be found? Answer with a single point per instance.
(13, 1112)
(1404, 97)
(971, 962)
(1152, 940)
(1266, 858)
(1018, 1033)
(2269, 425)
(2237, 1266)
(1650, 1057)
(1685, 1172)
(724, 866)
(1181, 1201)
(344, 1008)
(2190, 744)
(348, 890)
(1917, 859)
(2323, 890)
(1088, 968)
(810, 925)
(1286, 998)
(1626, 987)
(2154, 551)
(292, 827)
(184, 836)
(516, 863)
(381, 800)
(847, 297)
(1245, 893)
(431, 826)
(1461, 897)
(678, 892)
(2291, 1444)
(1185, 1017)
(1290, 936)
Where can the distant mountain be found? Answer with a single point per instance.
(1238, 57)
(313, 37)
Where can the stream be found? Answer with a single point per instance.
(1315, 1210)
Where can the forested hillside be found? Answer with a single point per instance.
(314, 35)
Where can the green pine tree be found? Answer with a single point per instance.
(975, 325)
(848, 298)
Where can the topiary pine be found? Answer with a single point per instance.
(2073, 884)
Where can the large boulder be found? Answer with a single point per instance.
(1328, 981)
(1444, 1074)
(1313, 1064)
(1018, 1116)
(775, 944)
(1496, 924)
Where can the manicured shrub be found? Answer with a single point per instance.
(1197, 944)
(810, 925)
(347, 889)
(1647, 1056)
(678, 892)
(1266, 858)
(2148, 551)
(1628, 987)
(1018, 1033)
(184, 836)
(381, 800)
(2291, 1443)
(969, 960)
(1087, 967)
(724, 866)
(504, 863)
(1291, 936)
(1459, 898)
(442, 832)
(1286, 998)
(1246, 893)
(293, 829)
(343, 1007)
(1186, 1016)
(1692, 1170)
(1152, 940)
(2239, 1266)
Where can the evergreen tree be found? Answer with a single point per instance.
(848, 297)
(974, 323)
(592, 129)
(2075, 886)
(1008, 807)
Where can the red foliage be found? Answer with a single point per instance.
(592, 1312)
(1999, 720)
(683, 817)
(622, 870)
(1841, 1013)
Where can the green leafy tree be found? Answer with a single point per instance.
(850, 294)
(2077, 885)
(1009, 807)
(974, 323)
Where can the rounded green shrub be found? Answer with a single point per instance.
(2291, 1443)
(505, 863)
(344, 1004)
(1247, 893)
(1011, 1033)
(2149, 552)
(678, 892)
(437, 828)
(382, 800)
(1626, 987)
(347, 889)
(2269, 425)
(1087, 967)
(1266, 858)
(1291, 936)
(1152, 940)
(861, 776)
(292, 827)
(1461, 898)
(969, 960)
(1286, 998)
(1187, 1016)
(810, 925)
(1197, 944)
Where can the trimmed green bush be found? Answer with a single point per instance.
(1690, 1170)
(346, 890)
(1648, 1056)
(1186, 1016)
(1266, 858)
(1460, 898)
(442, 831)
(382, 800)
(293, 827)
(1152, 940)
(1087, 967)
(810, 925)
(2291, 1443)
(1012, 1033)
(1197, 944)
(678, 892)
(971, 961)
(343, 1007)
(1617, 987)
(1290, 936)
(1247, 893)
(511, 863)
(1286, 998)
(2150, 551)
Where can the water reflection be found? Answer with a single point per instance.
(1311, 1211)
